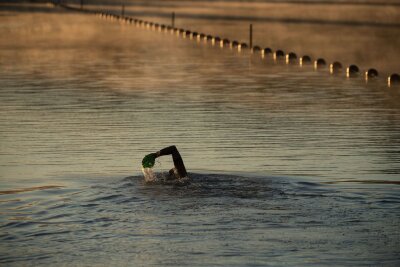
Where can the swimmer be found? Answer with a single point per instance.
(177, 173)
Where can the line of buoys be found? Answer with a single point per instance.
(278, 56)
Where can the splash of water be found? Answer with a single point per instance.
(149, 175)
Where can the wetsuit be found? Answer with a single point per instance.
(176, 157)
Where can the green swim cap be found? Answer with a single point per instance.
(148, 160)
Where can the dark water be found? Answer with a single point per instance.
(217, 220)
(290, 167)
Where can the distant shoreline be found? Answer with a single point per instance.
(157, 2)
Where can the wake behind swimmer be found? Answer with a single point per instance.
(178, 174)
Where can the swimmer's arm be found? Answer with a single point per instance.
(166, 151)
(178, 162)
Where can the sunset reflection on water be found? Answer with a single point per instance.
(290, 165)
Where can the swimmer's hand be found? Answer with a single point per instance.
(148, 160)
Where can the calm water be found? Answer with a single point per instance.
(290, 167)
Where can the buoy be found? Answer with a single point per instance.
(291, 58)
(352, 71)
(371, 73)
(215, 40)
(305, 60)
(255, 49)
(278, 54)
(266, 51)
(240, 46)
(335, 67)
(224, 42)
(393, 80)
(319, 63)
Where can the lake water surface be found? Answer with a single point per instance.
(290, 167)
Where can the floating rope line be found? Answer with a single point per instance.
(335, 68)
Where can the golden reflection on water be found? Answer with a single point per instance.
(86, 96)
(83, 99)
